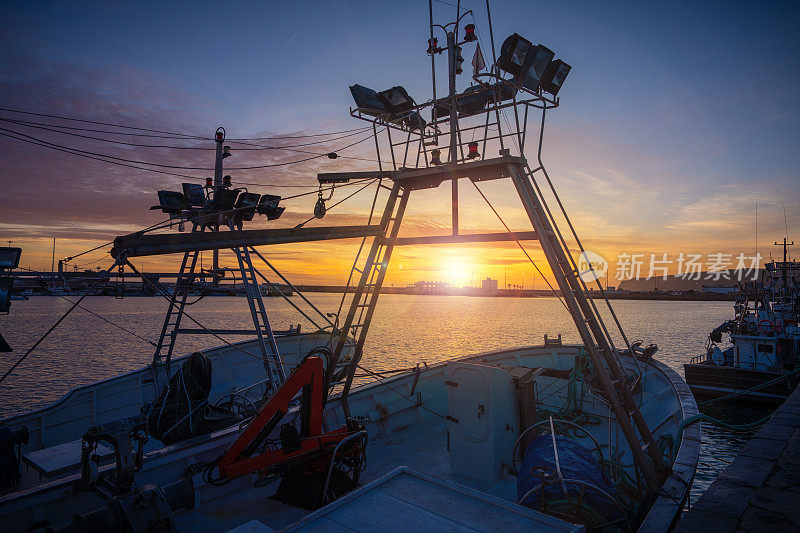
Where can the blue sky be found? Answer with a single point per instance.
(677, 117)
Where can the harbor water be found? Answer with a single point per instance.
(406, 330)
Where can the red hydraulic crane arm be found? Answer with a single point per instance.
(308, 378)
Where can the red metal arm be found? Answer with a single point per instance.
(309, 377)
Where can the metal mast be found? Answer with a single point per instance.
(606, 359)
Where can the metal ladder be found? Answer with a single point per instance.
(353, 332)
(612, 377)
(172, 321)
(260, 319)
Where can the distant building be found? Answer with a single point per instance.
(720, 289)
(611, 288)
(489, 285)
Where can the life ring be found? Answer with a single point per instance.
(767, 326)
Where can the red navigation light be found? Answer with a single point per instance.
(432, 48)
(473, 150)
(209, 182)
(436, 157)
(220, 136)
(469, 33)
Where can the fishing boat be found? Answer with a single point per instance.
(760, 364)
(291, 431)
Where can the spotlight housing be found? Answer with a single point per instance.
(536, 62)
(195, 193)
(248, 201)
(366, 100)
(269, 206)
(513, 53)
(396, 100)
(9, 257)
(554, 76)
(171, 202)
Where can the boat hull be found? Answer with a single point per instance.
(404, 418)
(714, 381)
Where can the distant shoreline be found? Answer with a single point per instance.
(538, 293)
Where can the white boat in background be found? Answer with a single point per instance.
(290, 431)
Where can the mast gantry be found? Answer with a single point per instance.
(531, 82)
(417, 165)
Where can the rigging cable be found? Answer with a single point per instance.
(181, 167)
(557, 295)
(151, 343)
(174, 134)
(372, 181)
(54, 326)
(382, 380)
(58, 129)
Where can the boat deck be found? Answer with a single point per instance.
(421, 446)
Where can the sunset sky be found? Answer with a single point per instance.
(676, 120)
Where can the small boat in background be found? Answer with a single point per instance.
(762, 364)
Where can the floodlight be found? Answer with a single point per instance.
(9, 257)
(536, 62)
(473, 100)
(396, 100)
(248, 200)
(269, 206)
(554, 76)
(367, 100)
(194, 193)
(502, 91)
(5, 293)
(224, 199)
(414, 121)
(513, 53)
(171, 202)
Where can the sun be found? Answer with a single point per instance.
(456, 273)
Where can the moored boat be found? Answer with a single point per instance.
(761, 363)
(293, 432)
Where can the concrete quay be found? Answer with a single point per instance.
(760, 489)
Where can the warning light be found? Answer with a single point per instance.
(436, 157)
(209, 182)
(432, 48)
(469, 33)
(473, 150)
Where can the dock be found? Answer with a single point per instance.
(760, 489)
